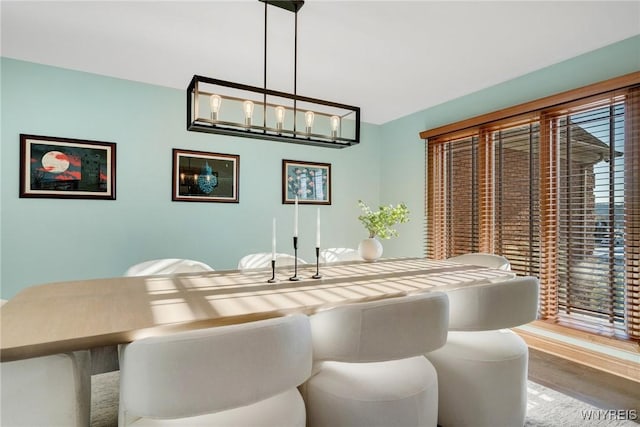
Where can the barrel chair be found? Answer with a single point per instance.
(369, 368)
(167, 266)
(263, 259)
(482, 369)
(483, 259)
(50, 390)
(339, 255)
(227, 376)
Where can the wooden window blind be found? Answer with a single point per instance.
(455, 171)
(590, 273)
(632, 211)
(516, 234)
(557, 191)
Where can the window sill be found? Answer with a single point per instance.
(615, 356)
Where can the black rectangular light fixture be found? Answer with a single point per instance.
(228, 108)
(219, 106)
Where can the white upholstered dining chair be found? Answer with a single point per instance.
(105, 358)
(167, 266)
(482, 369)
(339, 254)
(46, 391)
(263, 259)
(369, 368)
(484, 260)
(239, 375)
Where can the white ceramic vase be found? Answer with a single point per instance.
(370, 249)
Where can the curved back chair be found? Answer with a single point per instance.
(339, 254)
(263, 259)
(483, 369)
(47, 391)
(485, 260)
(238, 375)
(369, 364)
(167, 266)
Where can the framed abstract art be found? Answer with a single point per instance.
(310, 182)
(67, 168)
(199, 176)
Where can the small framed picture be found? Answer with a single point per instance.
(205, 177)
(308, 181)
(67, 168)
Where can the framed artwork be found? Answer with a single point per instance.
(205, 177)
(67, 168)
(309, 181)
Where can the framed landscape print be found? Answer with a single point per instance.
(309, 181)
(205, 177)
(67, 168)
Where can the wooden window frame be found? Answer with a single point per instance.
(542, 110)
(529, 110)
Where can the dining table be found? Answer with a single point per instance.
(84, 314)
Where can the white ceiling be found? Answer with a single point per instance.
(391, 58)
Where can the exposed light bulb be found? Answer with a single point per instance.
(335, 122)
(308, 119)
(214, 102)
(280, 111)
(247, 106)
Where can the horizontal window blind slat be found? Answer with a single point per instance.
(556, 195)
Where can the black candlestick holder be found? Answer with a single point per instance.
(273, 272)
(295, 277)
(317, 275)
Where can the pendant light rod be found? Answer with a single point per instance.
(295, 67)
(290, 5)
(264, 108)
(224, 107)
(295, 55)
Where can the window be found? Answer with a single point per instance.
(591, 213)
(500, 211)
(555, 189)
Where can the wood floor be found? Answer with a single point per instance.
(597, 388)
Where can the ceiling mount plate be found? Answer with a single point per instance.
(290, 5)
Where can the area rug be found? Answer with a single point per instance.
(545, 407)
(550, 408)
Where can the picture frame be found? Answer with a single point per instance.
(200, 176)
(66, 168)
(310, 181)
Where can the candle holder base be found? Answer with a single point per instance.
(317, 275)
(295, 277)
(273, 272)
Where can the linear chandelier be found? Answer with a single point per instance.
(228, 108)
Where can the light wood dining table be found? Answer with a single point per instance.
(84, 314)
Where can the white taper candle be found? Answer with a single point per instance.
(273, 241)
(295, 219)
(318, 228)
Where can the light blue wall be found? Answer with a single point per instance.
(403, 168)
(45, 240)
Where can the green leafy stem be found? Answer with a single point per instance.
(380, 223)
